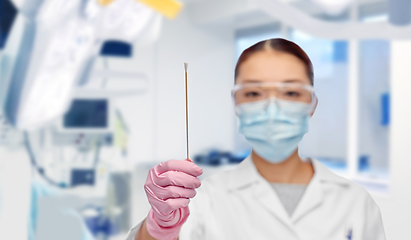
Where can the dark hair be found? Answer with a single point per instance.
(278, 44)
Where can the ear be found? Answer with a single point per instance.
(316, 103)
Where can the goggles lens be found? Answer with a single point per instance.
(282, 92)
(247, 93)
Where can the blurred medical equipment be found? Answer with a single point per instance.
(67, 155)
(217, 158)
(119, 194)
(57, 217)
(8, 13)
(79, 167)
(50, 50)
(52, 46)
(60, 56)
(47, 203)
(47, 68)
(87, 127)
(88, 115)
(169, 8)
(114, 216)
(9, 136)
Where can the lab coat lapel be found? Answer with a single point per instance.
(312, 197)
(267, 196)
(247, 175)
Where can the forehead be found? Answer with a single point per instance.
(272, 66)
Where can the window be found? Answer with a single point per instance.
(327, 138)
(374, 108)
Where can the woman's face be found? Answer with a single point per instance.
(272, 66)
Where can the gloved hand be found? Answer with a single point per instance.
(169, 187)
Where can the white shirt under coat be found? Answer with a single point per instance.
(240, 204)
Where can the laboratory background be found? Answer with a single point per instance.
(92, 95)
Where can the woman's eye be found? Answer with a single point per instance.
(252, 94)
(292, 94)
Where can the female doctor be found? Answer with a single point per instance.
(273, 193)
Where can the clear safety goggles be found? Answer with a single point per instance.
(287, 96)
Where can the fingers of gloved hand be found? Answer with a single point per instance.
(181, 166)
(173, 204)
(165, 207)
(165, 193)
(174, 178)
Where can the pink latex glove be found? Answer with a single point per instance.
(169, 187)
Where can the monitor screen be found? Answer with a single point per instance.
(87, 113)
(7, 15)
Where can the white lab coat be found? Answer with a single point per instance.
(240, 204)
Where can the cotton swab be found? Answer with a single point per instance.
(185, 68)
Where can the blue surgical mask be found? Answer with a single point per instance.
(274, 128)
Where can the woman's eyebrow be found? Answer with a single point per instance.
(252, 81)
(288, 81)
(294, 81)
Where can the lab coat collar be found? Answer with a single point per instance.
(247, 178)
(246, 175)
(314, 194)
(325, 175)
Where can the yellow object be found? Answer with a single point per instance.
(120, 135)
(168, 8)
(105, 2)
